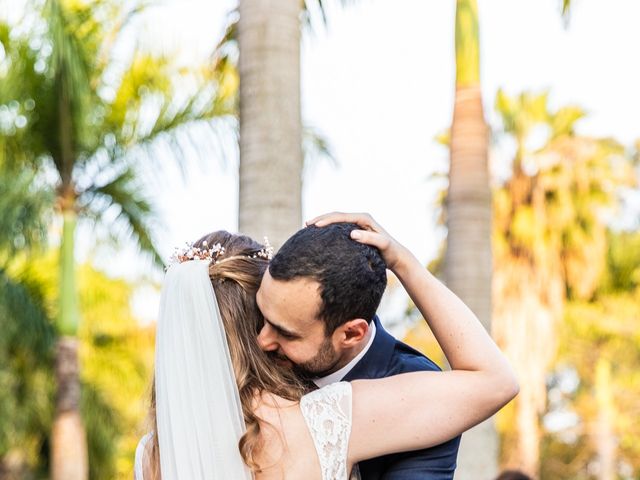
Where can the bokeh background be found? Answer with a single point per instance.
(499, 140)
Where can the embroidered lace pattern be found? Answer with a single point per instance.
(327, 412)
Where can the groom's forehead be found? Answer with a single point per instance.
(294, 301)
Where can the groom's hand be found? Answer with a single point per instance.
(370, 233)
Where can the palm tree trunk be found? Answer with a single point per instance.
(468, 263)
(69, 444)
(528, 431)
(605, 440)
(270, 119)
(527, 303)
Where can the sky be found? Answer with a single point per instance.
(378, 82)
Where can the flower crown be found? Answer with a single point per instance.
(214, 253)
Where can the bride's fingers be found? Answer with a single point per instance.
(381, 242)
(332, 217)
(363, 220)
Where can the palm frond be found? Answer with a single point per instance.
(75, 37)
(157, 105)
(317, 11)
(315, 146)
(26, 205)
(21, 86)
(23, 318)
(563, 121)
(566, 11)
(134, 215)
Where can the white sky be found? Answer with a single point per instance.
(379, 82)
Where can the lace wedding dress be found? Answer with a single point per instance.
(327, 412)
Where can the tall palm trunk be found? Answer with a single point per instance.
(527, 303)
(605, 440)
(468, 258)
(69, 445)
(270, 119)
(527, 421)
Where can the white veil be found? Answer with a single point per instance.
(198, 410)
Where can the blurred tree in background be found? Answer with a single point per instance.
(26, 357)
(467, 261)
(270, 194)
(82, 120)
(273, 143)
(85, 112)
(549, 244)
(116, 354)
(592, 414)
(559, 271)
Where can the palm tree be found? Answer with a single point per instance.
(599, 341)
(85, 119)
(270, 118)
(549, 242)
(467, 263)
(273, 142)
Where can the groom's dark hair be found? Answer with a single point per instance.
(352, 275)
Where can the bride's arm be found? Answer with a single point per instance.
(421, 409)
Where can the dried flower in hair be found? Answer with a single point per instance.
(213, 254)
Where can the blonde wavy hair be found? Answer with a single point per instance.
(235, 282)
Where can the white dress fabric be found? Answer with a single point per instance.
(327, 412)
(138, 466)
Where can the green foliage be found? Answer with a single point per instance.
(601, 330)
(550, 210)
(467, 44)
(103, 426)
(116, 357)
(623, 260)
(550, 248)
(87, 118)
(25, 211)
(25, 369)
(78, 120)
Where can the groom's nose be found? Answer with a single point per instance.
(267, 339)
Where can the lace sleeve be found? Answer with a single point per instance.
(327, 412)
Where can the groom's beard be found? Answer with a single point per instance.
(321, 365)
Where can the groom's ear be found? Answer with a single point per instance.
(352, 332)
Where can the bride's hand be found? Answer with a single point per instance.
(370, 233)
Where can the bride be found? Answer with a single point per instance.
(222, 409)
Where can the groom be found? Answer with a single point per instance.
(319, 299)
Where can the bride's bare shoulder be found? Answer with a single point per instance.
(268, 405)
(287, 448)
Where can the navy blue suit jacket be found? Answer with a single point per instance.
(386, 357)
